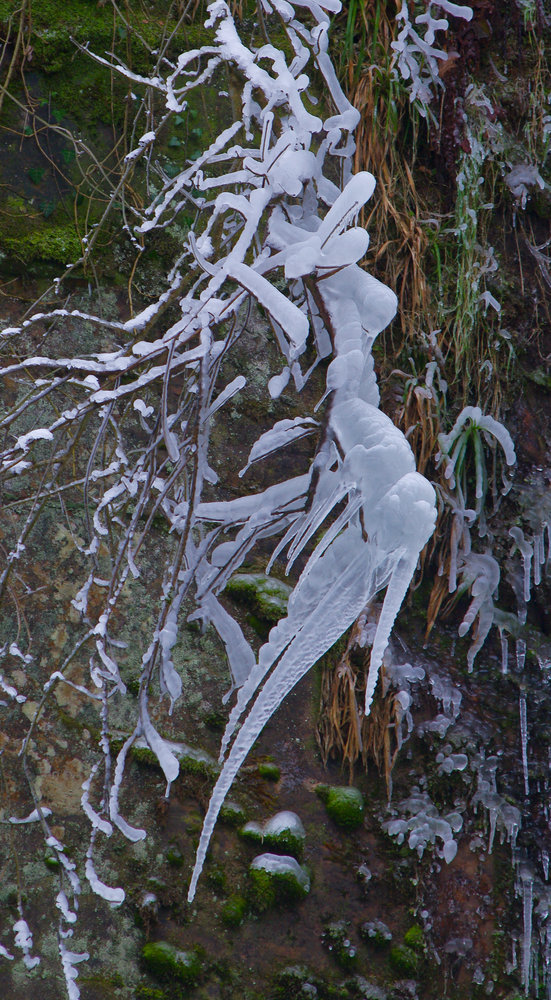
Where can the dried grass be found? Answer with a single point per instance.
(344, 732)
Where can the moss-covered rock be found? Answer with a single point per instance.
(277, 879)
(168, 962)
(264, 596)
(344, 805)
(283, 832)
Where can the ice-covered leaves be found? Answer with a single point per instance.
(418, 55)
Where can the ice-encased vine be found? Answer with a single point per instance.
(276, 206)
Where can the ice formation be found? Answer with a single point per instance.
(277, 183)
(422, 824)
(417, 53)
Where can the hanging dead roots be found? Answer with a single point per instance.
(344, 733)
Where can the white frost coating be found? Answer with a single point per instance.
(4, 953)
(527, 906)
(68, 961)
(62, 904)
(97, 821)
(521, 179)
(500, 813)
(35, 816)
(283, 311)
(24, 940)
(40, 434)
(277, 383)
(11, 691)
(281, 434)
(520, 653)
(227, 393)
(113, 896)
(417, 56)
(423, 826)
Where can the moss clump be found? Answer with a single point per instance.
(415, 938)
(174, 856)
(269, 771)
(144, 756)
(404, 961)
(265, 596)
(232, 815)
(275, 880)
(147, 993)
(344, 805)
(376, 933)
(283, 832)
(234, 911)
(336, 939)
(167, 962)
(58, 244)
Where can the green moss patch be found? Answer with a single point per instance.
(264, 596)
(277, 879)
(167, 962)
(344, 805)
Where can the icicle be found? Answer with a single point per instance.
(539, 554)
(524, 742)
(521, 654)
(527, 901)
(526, 552)
(504, 651)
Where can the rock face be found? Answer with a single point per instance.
(465, 839)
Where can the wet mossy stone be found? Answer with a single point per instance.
(283, 832)
(167, 962)
(265, 596)
(277, 879)
(192, 760)
(234, 911)
(344, 805)
(404, 960)
(376, 933)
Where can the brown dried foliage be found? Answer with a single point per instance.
(344, 732)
